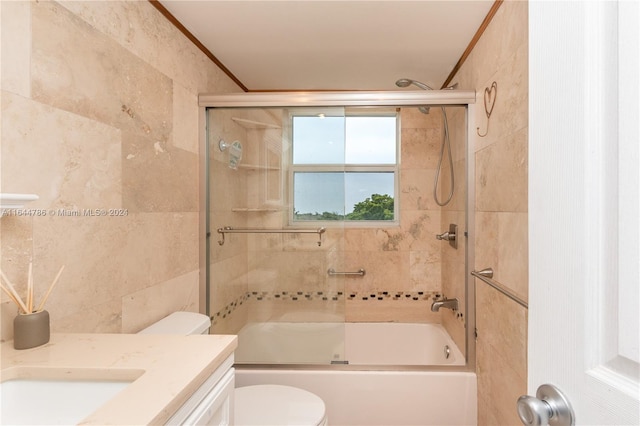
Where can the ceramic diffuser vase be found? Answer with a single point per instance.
(31, 330)
(31, 326)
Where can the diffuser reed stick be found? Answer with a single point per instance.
(17, 299)
(27, 308)
(55, 281)
(30, 288)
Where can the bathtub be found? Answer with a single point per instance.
(387, 381)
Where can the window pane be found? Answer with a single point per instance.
(343, 196)
(318, 140)
(369, 196)
(318, 196)
(371, 140)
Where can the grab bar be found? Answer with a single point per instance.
(332, 272)
(486, 276)
(231, 230)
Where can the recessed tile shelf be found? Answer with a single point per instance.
(15, 201)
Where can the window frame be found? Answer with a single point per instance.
(346, 167)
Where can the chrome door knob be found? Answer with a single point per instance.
(548, 407)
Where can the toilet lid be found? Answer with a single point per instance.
(277, 405)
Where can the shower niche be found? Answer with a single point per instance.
(262, 163)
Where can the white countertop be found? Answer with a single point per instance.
(167, 368)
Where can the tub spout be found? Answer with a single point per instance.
(444, 303)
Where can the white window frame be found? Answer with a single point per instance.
(319, 168)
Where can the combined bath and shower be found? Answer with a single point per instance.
(406, 82)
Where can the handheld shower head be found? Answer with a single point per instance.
(406, 82)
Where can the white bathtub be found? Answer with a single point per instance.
(369, 396)
(352, 343)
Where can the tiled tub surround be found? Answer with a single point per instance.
(99, 110)
(404, 259)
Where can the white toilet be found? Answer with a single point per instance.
(258, 405)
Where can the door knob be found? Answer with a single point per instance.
(548, 407)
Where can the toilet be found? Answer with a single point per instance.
(258, 405)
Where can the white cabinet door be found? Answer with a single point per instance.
(584, 208)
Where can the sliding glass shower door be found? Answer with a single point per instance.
(271, 243)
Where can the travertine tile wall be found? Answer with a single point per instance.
(99, 111)
(501, 55)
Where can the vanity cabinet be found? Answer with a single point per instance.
(211, 403)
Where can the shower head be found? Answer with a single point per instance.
(406, 82)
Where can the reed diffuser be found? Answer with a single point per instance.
(31, 326)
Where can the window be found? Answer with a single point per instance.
(344, 167)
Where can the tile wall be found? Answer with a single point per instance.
(99, 111)
(501, 55)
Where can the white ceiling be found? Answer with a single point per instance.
(333, 44)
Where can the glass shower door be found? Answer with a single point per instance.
(268, 279)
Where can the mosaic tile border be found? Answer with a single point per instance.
(295, 296)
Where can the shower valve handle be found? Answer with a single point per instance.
(446, 236)
(450, 235)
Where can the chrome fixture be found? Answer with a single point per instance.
(406, 82)
(486, 275)
(230, 230)
(332, 272)
(444, 303)
(549, 407)
(450, 235)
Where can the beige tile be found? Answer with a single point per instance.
(419, 148)
(8, 312)
(16, 47)
(76, 68)
(416, 189)
(157, 177)
(157, 247)
(501, 175)
(424, 273)
(419, 229)
(94, 318)
(185, 120)
(412, 118)
(513, 252)
(502, 326)
(385, 271)
(142, 308)
(83, 167)
(498, 380)
(486, 240)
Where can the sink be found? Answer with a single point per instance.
(57, 401)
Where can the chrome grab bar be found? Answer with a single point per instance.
(332, 272)
(231, 230)
(486, 275)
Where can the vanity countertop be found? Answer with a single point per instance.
(170, 369)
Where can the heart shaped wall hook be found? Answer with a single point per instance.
(490, 95)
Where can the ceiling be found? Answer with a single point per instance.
(333, 44)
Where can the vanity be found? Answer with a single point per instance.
(138, 379)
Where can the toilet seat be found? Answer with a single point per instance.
(277, 405)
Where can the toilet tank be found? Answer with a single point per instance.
(184, 323)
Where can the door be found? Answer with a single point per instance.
(584, 206)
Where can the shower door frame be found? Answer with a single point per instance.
(444, 98)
